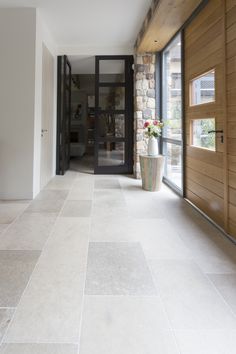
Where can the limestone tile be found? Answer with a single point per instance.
(107, 183)
(127, 325)
(9, 211)
(77, 208)
(50, 309)
(3, 227)
(226, 284)
(206, 342)
(48, 194)
(191, 301)
(16, 269)
(45, 206)
(118, 269)
(29, 232)
(39, 348)
(5, 318)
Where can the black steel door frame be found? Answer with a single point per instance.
(128, 112)
(63, 114)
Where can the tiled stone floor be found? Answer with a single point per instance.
(96, 265)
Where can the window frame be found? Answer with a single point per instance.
(191, 88)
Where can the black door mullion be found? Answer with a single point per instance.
(127, 166)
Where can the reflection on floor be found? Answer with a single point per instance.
(83, 165)
(96, 265)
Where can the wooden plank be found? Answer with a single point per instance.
(231, 81)
(232, 163)
(232, 196)
(209, 170)
(207, 156)
(166, 20)
(231, 97)
(205, 181)
(232, 228)
(230, 4)
(231, 65)
(232, 130)
(232, 179)
(202, 205)
(231, 33)
(231, 16)
(197, 65)
(231, 49)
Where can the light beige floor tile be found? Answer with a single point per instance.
(226, 284)
(118, 269)
(5, 318)
(10, 211)
(107, 183)
(3, 227)
(16, 269)
(77, 208)
(48, 194)
(45, 206)
(50, 310)
(127, 325)
(39, 349)
(29, 232)
(191, 300)
(206, 342)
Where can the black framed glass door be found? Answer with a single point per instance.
(63, 114)
(113, 114)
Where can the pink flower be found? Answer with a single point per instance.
(155, 122)
(146, 124)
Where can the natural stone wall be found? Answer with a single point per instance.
(144, 100)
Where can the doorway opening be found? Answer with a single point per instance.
(100, 138)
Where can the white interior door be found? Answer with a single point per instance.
(47, 117)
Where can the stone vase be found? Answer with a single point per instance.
(152, 148)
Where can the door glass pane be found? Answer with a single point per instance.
(173, 163)
(111, 98)
(201, 136)
(112, 125)
(111, 153)
(112, 71)
(172, 90)
(203, 89)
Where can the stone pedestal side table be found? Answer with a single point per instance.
(151, 172)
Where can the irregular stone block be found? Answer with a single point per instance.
(149, 76)
(140, 67)
(152, 84)
(151, 93)
(147, 59)
(147, 113)
(151, 103)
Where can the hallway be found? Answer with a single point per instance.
(96, 265)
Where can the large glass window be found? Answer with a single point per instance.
(172, 112)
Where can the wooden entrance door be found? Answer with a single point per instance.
(205, 116)
(63, 114)
(113, 114)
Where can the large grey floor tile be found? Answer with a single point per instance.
(16, 268)
(190, 299)
(5, 318)
(118, 269)
(50, 310)
(206, 342)
(29, 232)
(82, 193)
(10, 210)
(77, 208)
(226, 284)
(101, 211)
(127, 325)
(3, 227)
(39, 349)
(61, 182)
(147, 209)
(48, 194)
(107, 183)
(45, 206)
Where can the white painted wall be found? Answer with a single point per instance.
(22, 34)
(42, 36)
(17, 92)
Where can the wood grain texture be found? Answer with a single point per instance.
(166, 20)
(204, 50)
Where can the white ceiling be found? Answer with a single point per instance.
(94, 26)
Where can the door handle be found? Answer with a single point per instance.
(216, 132)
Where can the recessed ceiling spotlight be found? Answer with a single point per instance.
(156, 41)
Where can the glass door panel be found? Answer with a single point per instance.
(114, 114)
